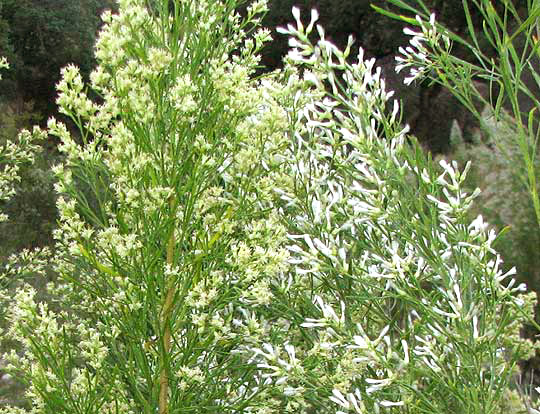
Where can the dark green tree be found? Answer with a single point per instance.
(41, 36)
(38, 38)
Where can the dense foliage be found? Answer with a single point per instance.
(39, 37)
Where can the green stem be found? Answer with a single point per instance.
(533, 189)
(166, 327)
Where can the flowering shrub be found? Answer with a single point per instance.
(12, 154)
(257, 245)
(32, 209)
(498, 170)
(513, 77)
(511, 109)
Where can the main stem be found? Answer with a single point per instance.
(166, 327)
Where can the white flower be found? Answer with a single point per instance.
(352, 401)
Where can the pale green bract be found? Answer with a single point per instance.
(242, 244)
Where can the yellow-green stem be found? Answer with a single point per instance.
(533, 190)
(166, 327)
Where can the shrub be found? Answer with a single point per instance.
(257, 245)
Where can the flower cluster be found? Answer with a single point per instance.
(417, 56)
